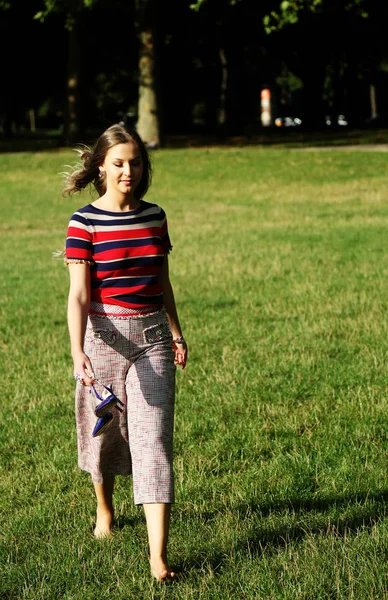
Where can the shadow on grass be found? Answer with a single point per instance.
(123, 521)
(366, 510)
(30, 144)
(273, 137)
(283, 138)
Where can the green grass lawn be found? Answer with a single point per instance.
(280, 271)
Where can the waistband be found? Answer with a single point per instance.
(114, 310)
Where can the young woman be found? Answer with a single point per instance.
(125, 335)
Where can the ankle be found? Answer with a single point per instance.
(105, 508)
(158, 559)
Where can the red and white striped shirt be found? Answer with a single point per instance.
(125, 251)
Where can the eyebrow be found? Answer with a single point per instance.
(133, 158)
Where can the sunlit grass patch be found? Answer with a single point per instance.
(279, 268)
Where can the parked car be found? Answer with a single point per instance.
(339, 120)
(287, 122)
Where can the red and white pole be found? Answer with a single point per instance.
(266, 107)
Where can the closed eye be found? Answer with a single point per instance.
(136, 163)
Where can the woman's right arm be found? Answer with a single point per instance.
(77, 316)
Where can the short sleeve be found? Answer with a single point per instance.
(165, 237)
(79, 245)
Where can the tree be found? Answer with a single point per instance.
(27, 89)
(72, 11)
(146, 19)
(319, 59)
(149, 107)
(325, 60)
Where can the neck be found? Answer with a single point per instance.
(122, 203)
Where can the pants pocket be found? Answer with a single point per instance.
(100, 336)
(157, 333)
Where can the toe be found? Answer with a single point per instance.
(100, 534)
(165, 576)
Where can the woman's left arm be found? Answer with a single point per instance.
(179, 347)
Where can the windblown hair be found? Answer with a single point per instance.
(87, 171)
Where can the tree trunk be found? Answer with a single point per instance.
(373, 107)
(313, 106)
(224, 87)
(148, 124)
(72, 120)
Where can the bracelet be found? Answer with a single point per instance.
(180, 340)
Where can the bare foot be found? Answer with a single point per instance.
(162, 571)
(103, 523)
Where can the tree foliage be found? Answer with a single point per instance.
(69, 8)
(288, 11)
(213, 56)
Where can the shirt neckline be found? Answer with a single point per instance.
(120, 213)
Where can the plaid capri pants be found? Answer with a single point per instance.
(134, 355)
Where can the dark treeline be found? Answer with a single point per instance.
(207, 67)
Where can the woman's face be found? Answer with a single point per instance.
(123, 166)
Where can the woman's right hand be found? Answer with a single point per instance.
(83, 370)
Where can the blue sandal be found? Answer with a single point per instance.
(107, 401)
(102, 424)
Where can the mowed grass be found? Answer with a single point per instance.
(280, 271)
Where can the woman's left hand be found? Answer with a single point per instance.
(180, 349)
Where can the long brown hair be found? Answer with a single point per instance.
(86, 172)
